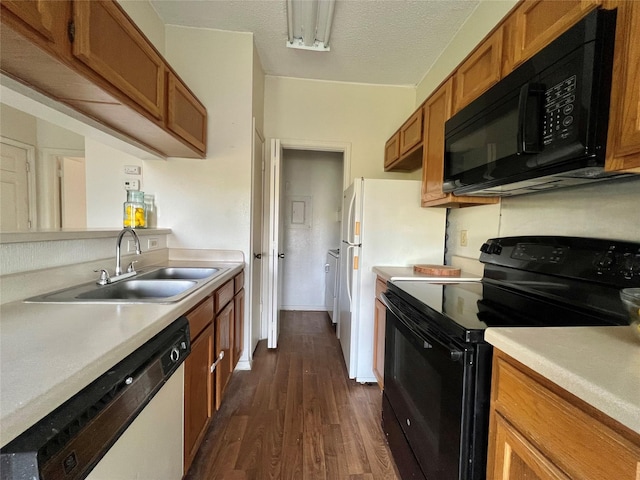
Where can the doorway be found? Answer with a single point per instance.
(292, 204)
(311, 216)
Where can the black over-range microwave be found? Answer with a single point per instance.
(544, 125)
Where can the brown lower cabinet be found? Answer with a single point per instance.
(538, 430)
(213, 324)
(379, 326)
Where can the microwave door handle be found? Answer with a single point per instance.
(530, 108)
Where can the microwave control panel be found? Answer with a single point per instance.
(559, 118)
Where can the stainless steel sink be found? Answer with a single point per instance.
(178, 273)
(138, 290)
(162, 285)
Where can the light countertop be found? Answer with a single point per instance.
(600, 365)
(407, 273)
(49, 352)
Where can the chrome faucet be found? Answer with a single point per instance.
(105, 279)
(118, 242)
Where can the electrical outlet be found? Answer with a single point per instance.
(132, 184)
(152, 243)
(463, 238)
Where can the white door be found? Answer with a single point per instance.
(14, 189)
(73, 193)
(257, 227)
(275, 245)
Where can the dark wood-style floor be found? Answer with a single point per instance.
(296, 415)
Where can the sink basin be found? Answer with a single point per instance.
(138, 289)
(179, 273)
(162, 285)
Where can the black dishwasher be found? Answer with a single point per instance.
(69, 442)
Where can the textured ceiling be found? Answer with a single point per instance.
(392, 42)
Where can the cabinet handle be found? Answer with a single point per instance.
(220, 357)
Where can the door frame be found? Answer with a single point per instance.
(298, 144)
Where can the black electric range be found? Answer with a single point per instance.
(437, 365)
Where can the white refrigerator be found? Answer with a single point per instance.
(382, 225)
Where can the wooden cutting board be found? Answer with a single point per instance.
(437, 270)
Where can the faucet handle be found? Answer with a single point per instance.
(130, 268)
(104, 276)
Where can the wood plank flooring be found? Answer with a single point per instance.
(296, 415)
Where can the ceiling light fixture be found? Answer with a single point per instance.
(309, 24)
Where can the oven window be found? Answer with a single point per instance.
(424, 387)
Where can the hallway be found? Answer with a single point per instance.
(296, 415)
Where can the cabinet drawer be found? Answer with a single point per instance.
(223, 295)
(381, 286)
(238, 282)
(573, 439)
(200, 317)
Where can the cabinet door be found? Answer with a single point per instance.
(392, 150)
(437, 110)
(480, 71)
(411, 132)
(238, 328)
(222, 351)
(512, 457)
(539, 22)
(186, 116)
(379, 325)
(111, 45)
(45, 21)
(623, 149)
(196, 395)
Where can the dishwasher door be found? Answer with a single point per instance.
(152, 446)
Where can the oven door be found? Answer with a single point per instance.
(425, 380)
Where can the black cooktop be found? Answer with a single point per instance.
(529, 281)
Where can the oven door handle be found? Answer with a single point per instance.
(455, 353)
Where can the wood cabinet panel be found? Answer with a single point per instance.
(547, 425)
(411, 132)
(238, 328)
(379, 326)
(197, 388)
(238, 282)
(392, 150)
(222, 352)
(538, 22)
(200, 317)
(623, 143)
(223, 295)
(480, 71)
(110, 44)
(46, 20)
(186, 116)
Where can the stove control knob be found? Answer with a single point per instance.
(175, 354)
(630, 266)
(607, 260)
(485, 248)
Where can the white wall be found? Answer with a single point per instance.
(105, 183)
(146, 18)
(363, 115)
(207, 202)
(316, 179)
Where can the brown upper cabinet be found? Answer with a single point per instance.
(437, 110)
(111, 45)
(536, 23)
(479, 71)
(623, 141)
(90, 56)
(403, 151)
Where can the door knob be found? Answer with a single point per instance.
(281, 255)
(257, 255)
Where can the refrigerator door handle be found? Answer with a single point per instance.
(351, 244)
(350, 219)
(350, 274)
